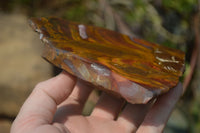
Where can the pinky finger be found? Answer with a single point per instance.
(158, 115)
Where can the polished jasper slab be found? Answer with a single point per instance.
(132, 68)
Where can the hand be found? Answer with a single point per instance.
(55, 106)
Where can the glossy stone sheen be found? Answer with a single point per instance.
(132, 68)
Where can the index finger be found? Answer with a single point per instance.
(41, 105)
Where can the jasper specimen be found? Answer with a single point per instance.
(131, 68)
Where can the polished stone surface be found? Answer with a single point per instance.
(133, 68)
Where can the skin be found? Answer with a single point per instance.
(55, 106)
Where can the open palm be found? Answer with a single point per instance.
(55, 106)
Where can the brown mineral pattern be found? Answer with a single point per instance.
(134, 69)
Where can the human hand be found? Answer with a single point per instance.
(55, 106)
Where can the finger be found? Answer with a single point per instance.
(41, 105)
(79, 95)
(132, 115)
(74, 103)
(108, 107)
(157, 117)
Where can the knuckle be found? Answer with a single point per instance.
(39, 85)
